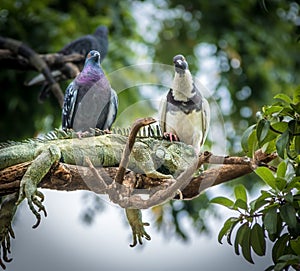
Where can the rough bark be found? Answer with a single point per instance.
(65, 177)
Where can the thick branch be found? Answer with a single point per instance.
(9, 60)
(24, 51)
(66, 177)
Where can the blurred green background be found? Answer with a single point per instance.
(244, 52)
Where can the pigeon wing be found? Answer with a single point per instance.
(113, 109)
(69, 106)
(205, 119)
(162, 114)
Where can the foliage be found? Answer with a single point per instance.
(275, 213)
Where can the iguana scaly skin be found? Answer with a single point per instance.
(150, 156)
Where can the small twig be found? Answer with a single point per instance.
(102, 183)
(136, 202)
(139, 123)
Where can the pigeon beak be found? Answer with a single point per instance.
(97, 56)
(180, 66)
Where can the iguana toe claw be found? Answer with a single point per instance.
(140, 233)
(40, 195)
(35, 201)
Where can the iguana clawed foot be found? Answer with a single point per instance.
(6, 232)
(7, 212)
(134, 217)
(34, 199)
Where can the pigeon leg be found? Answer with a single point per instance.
(170, 136)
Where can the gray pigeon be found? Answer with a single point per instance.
(89, 100)
(97, 41)
(184, 113)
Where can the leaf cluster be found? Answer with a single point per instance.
(275, 213)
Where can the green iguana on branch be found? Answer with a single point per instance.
(152, 156)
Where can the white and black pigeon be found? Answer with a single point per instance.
(184, 113)
(89, 99)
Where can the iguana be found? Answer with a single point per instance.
(152, 156)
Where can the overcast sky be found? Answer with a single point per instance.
(63, 243)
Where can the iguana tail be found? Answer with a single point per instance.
(16, 154)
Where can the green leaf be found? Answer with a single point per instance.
(269, 147)
(282, 143)
(242, 239)
(230, 231)
(280, 126)
(280, 183)
(260, 201)
(297, 144)
(252, 143)
(279, 247)
(296, 97)
(246, 244)
(289, 259)
(295, 244)
(270, 268)
(271, 109)
(240, 192)
(262, 129)
(227, 229)
(294, 183)
(245, 137)
(289, 197)
(283, 97)
(288, 214)
(266, 175)
(223, 201)
(239, 237)
(270, 219)
(281, 169)
(258, 241)
(292, 125)
(279, 266)
(296, 107)
(240, 204)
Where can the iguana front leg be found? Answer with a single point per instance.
(34, 174)
(134, 217)
(144, 161)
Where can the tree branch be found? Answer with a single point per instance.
(65, 177)
(24, 52)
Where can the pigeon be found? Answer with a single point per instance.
(89, 100)
(184, 113)
(97, 41)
